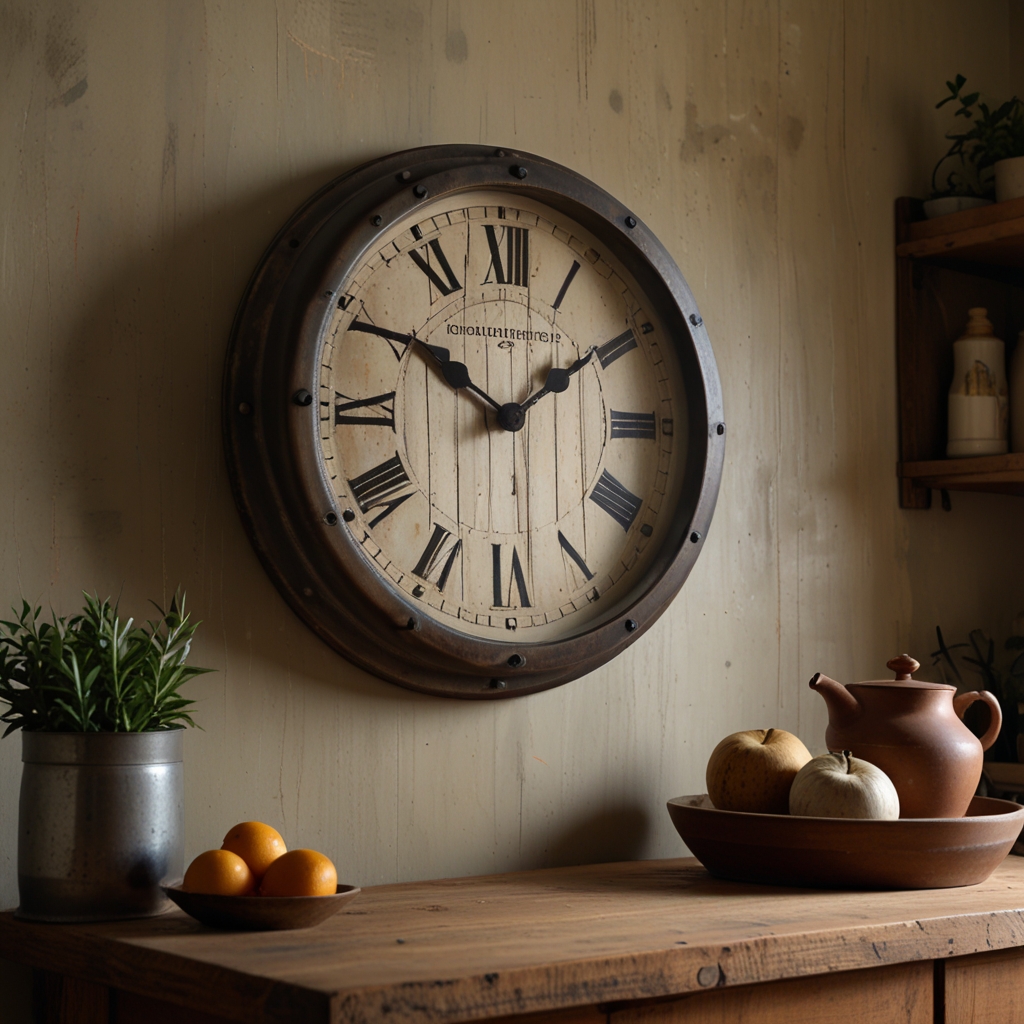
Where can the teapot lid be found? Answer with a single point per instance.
(904, 666)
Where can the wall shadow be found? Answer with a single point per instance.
(138, 435)
(601, 838)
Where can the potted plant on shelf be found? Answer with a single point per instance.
(98, 702)
(988, 156)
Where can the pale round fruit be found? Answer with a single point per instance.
(219, 873)
(836, 785)
(753, 770)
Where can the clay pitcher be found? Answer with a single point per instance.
(913, 731)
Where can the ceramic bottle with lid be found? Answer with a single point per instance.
(978, 402)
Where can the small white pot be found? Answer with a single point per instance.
(1009, 178)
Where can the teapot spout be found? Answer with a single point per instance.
(843, 707)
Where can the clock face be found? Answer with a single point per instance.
(503, 421)
(473, 422)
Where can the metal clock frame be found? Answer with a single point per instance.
(271, 427)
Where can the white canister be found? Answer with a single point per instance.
(1017, 396)
(978, 402)
(1009, 178)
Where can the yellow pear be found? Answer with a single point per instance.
(753, 770)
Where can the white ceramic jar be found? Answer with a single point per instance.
(1009, 178)
(978, 401)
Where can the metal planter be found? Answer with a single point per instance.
(100, 824)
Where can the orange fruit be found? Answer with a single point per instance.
(300, 873)
(220, 873)
(257, 844)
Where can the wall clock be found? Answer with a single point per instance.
(473, 421)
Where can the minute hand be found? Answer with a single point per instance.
(558, 379)
(456, 374)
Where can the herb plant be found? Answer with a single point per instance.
(94, 672)
(993, 135)
(1005, 680)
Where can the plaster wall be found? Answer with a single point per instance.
(150, 153)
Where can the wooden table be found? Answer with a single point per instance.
(650, 942)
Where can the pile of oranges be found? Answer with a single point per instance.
(253, 860)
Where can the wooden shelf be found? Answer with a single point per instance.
(945, 266)
(1000, 474)
(988, 235)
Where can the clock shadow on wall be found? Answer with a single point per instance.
(143, 502)
(473, 422)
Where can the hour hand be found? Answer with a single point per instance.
(558, 379)
(456, 374)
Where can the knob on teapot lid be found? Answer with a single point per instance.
(904, 666)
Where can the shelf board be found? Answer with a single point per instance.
(999, 474)
(988, 235)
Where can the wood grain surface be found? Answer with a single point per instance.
(985, 989)
(901, 994)
(473, 948)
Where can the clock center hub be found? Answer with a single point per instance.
(511, 417)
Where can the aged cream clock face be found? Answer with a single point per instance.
(503, 420)
(472, 420)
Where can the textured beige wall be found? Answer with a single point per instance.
(149, 153)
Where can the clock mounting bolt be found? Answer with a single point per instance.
(244, 408)
(499, 152)
(630, 221)
(331, 519)
(377, 220)
(720, 429)
(631, 625)
(518, 171)
(695, 536)
(497, 684)
(405, 176)
(302, 397)
(294, 243)
(516, 661)
(420, 191)
(695, 320)
(348, 515)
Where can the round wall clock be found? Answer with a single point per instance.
(473, 421)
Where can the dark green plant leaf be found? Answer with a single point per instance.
(95, 672)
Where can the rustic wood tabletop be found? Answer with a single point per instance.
(472, 948)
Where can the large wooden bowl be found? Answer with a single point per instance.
(260, 913)
(846, 853)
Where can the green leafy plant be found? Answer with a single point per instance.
(994, 134)
(1005, 680)
(94, 672)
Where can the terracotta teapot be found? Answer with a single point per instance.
(913, 731)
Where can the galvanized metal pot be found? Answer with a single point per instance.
(100, 824)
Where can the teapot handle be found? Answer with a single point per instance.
(965, 700)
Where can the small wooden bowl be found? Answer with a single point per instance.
(849, 853)
(260, 913)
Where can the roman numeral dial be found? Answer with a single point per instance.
(496, 408)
